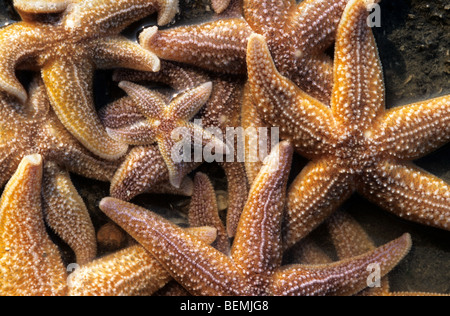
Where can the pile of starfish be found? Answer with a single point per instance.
(258, 63)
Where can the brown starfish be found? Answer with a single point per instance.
(354, 145)
(34, 128)
(254, 265)
(67, 53)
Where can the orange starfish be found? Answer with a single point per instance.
(67, 52)
(254, 265)
(354, 145)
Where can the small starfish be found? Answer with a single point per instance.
(254, 265)
(297, 34)
(221, 111)
(67, 52)
(162, 121)
(30, 264)
(354, 145)
(36, 129)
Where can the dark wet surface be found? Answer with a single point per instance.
(414, 44)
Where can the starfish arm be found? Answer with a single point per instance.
(29, 8)
(143, 169)
(138, 133)
(149, 102)
(237, 187)
(201, 269)
(268, 17)
(66, 213)
(203, 211)
(358, 93)
(345, 277)
(220, 5)
(303, 120)
(412, 131)
(217, 46)
(121, 113)
(178, 77)
(187, 104)
(409, 192)
(257, 247)
(8, 159)
(118, 51)
(315, 194)
(116, 15)
(30, 264)
(69, 87)
(129, 272)
(251, 122)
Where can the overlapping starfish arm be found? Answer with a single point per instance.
(130, 272)
(257, 248)
(66, 213)
(186, 258)
(203, 211)
(344, 277)
(30, 264)
(313, 196)
(302, 119)
(69, 85)
(409, 192)
(217, 46)
(412, 131)
(358, 93)
(268, 17)
(116, 14)
(143, 169)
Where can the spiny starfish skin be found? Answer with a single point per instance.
(68, 52)
(30, 264)
(162, 121)
(354, 145)
(36, 129)
(297, 35)
(130, 272)
(254, 266)
(221, 111)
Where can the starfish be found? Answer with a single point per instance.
(254, 267)
(142, 169)
(68, 52)
(30, 263)
(297, 34)
(354, 145)
(203, 211)
(163, 121)
(36, 129)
